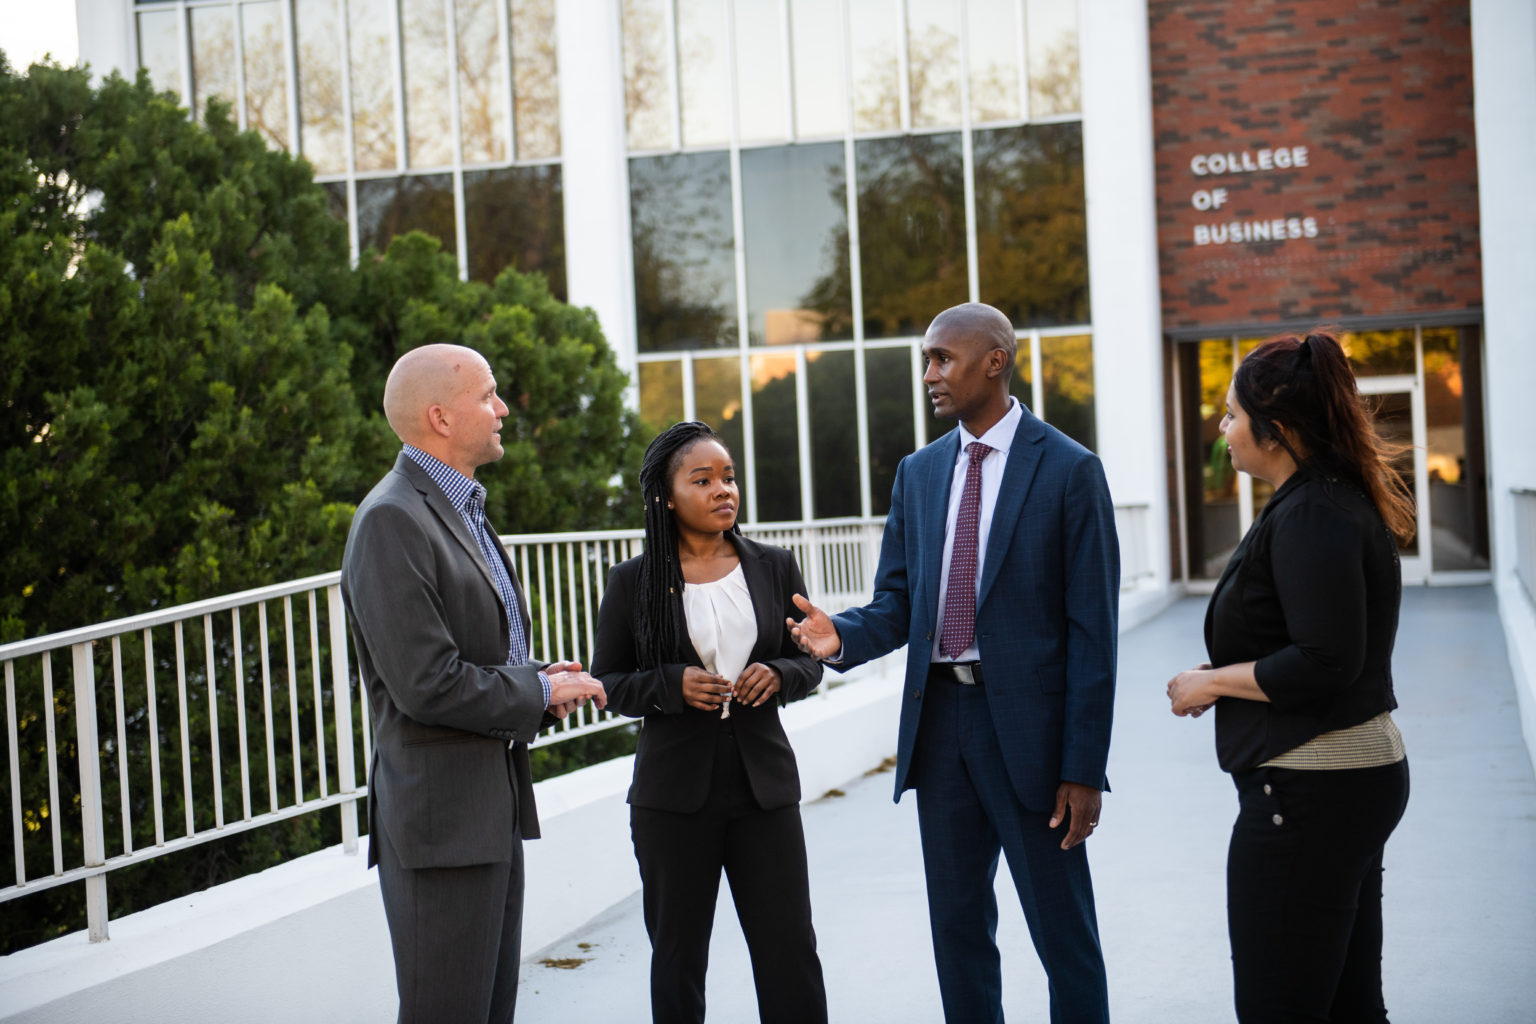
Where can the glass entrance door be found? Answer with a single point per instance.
(1397, 404)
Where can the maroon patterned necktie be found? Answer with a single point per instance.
(959, 627)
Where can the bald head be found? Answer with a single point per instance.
(976, 323)
(424, 377)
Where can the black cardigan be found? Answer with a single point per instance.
(674, 758)
(1311, 595)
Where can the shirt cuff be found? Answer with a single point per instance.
(548, 687)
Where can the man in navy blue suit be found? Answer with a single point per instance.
(1000, 572)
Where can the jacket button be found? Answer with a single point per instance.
(917, 694)
(1268, 790)
(1278, 820)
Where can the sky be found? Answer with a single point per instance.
(31, 28)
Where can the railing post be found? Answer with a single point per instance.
(89, 748)
(341, 691)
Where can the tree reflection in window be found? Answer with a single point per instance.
(684, 251)
(1066, 386)
(266, 72)
(213, 58)
(795, 222)
(480, 51)
(160, 48)
(535, 79)
(776, 466)
(1031, 223)
(371, 62)
(322, 122)
(424, 58)
(393, 206)
(661, 393)
(515, 217)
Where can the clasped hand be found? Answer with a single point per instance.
(709, 692)
(1189, 692)
(570, 688)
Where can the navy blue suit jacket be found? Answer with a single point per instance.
(1046, 609)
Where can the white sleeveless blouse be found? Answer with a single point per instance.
(721, 623)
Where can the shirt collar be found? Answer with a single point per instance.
(456, 487)
(1000, 436)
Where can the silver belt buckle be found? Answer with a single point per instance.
(964, 674)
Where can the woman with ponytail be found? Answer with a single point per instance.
(1300, 631)
(691, 637)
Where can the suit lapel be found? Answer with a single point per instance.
(1018, 473)
(760, 587)
(933, 486)
(449, 516)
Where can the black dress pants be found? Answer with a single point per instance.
(763, 856)
(1304, 876)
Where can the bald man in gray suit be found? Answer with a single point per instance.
(441, 628)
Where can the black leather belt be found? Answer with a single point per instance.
(966, 673)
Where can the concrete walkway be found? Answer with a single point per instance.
(1460, 886)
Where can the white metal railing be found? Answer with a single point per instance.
(1525, 538)
(282, 697)
(1132, 523)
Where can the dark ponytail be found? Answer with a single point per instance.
(659, 602)
(1305, 386)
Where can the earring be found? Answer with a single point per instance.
(670, 505)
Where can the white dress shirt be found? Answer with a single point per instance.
(999, 438)
(721, 622)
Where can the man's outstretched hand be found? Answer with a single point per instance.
(815, 634)
(570, 688)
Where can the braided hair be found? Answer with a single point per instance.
(659, 603)
(1306, 386)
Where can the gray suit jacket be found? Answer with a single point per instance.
(449, 781)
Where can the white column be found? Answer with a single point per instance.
(1122, 261)
(106, 37)
(1504, 83)
(598, 258)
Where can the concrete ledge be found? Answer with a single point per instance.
(1518, 617)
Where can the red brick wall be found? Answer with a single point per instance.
(1382, 217)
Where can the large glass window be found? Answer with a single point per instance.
(684, 251)
(1380, 353)
(835, 471)
(482, 81)
(1031, 223)
(160, 48)
(933, 62)
(703, 60)
(322, 125)
(515, 217)
(535, 73)
(876, 75)
(371, 40)
(213, 58)
(1454, 449)
(774, 433)
(661, 393)
(392, 206)
(717, 401)
(911, 231)
(1066, 386)
(760, 91)
(888, 390)
(992, 50)
(816, 34)
(795, 215)
(647, 74)
(266, 71)
(428, 116)
(1053, 78)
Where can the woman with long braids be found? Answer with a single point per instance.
(1300, 631)
(691, 637)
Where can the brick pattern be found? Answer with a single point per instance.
(1380, 96)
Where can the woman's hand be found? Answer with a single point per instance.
(758, 682)
(705, 690)
(1190, 691)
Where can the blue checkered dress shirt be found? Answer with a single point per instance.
(468, 498)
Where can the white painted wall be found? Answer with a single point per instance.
(1504, 83)
(599, 265)
(1126, 307)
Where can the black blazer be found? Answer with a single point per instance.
(676, 750)
(1311, 595)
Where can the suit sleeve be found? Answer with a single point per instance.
(392, 582)
(883, 625)
(1092, 567)
(1320, 583)
(799, 673)
(632, 691)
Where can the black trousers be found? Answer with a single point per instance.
(1304, 892)
(763, 856)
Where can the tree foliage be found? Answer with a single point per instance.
(192, 372)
